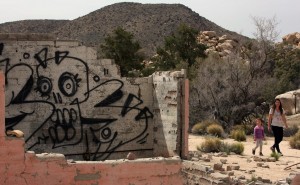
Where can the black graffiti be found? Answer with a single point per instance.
(96, 78)
(63, 123)
(1, 48)
(62, 94)
(11, 122)
(44, 86)
(26, 55)
(68, 83)
(41, 57)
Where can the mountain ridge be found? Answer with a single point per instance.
(149, 23)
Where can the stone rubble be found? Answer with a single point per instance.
(223, 173)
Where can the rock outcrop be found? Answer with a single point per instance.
(222, 46)
(292, 39)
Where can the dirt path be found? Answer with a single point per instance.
(275, 171)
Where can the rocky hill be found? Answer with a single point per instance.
(32, 26)
(150, 24)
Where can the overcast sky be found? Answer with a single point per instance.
(234, 15)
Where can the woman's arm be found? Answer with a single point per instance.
(284, 120)
(269, 121)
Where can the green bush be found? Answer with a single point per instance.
(211, 144)
(237, 148)
(238, 135)
(200, 128)
(295, 141)
(215, 130)
(275, 155)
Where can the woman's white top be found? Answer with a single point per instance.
(276, 118)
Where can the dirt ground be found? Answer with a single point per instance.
(276, 170)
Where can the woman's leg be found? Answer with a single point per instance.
(278, 134)
(280, 137)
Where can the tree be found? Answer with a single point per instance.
(235, 85)
(179, 47)
(121, 47)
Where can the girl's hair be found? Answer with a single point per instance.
(261, 120)
(280, 106)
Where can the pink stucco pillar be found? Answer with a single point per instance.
(185, 127)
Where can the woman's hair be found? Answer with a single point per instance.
(280, 106)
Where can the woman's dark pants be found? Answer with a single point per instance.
(278, 134)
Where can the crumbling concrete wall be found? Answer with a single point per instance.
(68, 101)
(21, 168)
(169, 88)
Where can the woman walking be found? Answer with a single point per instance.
(277, 120)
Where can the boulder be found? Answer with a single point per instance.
(290, 102)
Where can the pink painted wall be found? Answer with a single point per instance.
(19, 168)
(185, 128)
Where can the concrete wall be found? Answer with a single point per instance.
(169, 91)
(68, 101)
(20, 168)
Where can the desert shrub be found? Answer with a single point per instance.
(200, 128)
(215, 129)
(225, 147)
(237, 148)
(247, 128)
(290, 131)
(214, 144)
(275, 155)
(238, 135)
(211, 144)
(253, 179)
(295, 141)
(197, 128)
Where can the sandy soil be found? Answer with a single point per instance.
(275, 171)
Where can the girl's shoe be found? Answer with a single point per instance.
(260, 153)
(253, 151)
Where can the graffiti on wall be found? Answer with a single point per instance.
(63, 106)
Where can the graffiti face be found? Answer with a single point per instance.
(69, 83)
(51, 95)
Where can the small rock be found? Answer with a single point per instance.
(231, 173)
(218, 166)
(131, 156)
(259, 164)
(242, 177)
(194, 159)
(265, 166)
(266, 181)
(257, 159)
(223, 161)
(251, 171)
(233, 167)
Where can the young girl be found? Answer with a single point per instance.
(259, 136)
